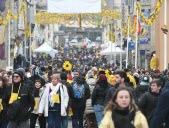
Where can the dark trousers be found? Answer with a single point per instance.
(54, 119)
(42, 120)
(4, 124)
(77, 118)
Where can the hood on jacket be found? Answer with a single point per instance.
(80, 79)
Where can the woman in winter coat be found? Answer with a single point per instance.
(39, 89)
(54, 102)
(149, 100)
(98, 97)
(3, 114)
(122, 112)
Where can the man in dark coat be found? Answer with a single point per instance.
(18, 101)
(78, 104)
(63, 77)
(161, 114)
(120, 81)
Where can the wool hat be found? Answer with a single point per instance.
(38, 80)
(145, 80)
(156, 71)
(22, 70)
(20, 73)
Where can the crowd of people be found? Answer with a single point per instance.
(96, 99)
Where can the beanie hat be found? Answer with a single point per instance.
(38, 80)
(22, 70)
(90, 74)
(156, 71)
(145, 80)
(20, 73)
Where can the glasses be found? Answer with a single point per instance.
(15, 76)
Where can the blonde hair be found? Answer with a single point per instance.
(56, 76)
(112, 104)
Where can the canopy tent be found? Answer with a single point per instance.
(45, 48)
(111, 50)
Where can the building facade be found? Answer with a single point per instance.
(157, 36)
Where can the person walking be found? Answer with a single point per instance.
(18, 100)
(122, 112)
(39, 90)
(98, 97)
(54, 102)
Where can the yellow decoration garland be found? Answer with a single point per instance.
(15, 17)
(151, 20)
(67, 66)
(94, 19)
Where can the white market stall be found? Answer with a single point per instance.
(45, 48)
(112, 49)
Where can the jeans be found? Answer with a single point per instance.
(54, 119)
(77, 118)
(42, 120)
(21, 124)
(65, 122)
(98, 109)
(4, 124)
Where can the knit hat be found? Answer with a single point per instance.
(145, 80)
(20, 73)
(22, 70)
(136, 75)
(90, 74)
(156, 71)
(38, 80)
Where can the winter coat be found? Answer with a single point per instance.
(161, 112)
(139, 91)
(44, 103)
(139, 121)
(148, 104)
(25, 98)
(99, 93)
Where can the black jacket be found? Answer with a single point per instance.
(69, 88)
(148, 104)
(139, 91)
(161, 112)
(26, 101)
(99, 93)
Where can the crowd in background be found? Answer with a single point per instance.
(94, 98)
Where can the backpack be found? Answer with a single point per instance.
(78, 90)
